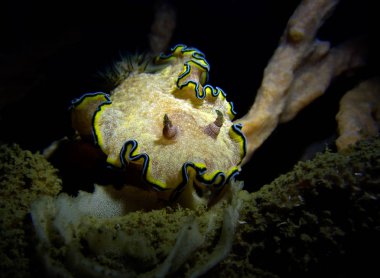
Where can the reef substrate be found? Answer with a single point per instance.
(322, 218)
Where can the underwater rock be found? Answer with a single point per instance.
(320, 219)
(24, 176)
(91, 235)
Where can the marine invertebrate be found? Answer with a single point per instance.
(359, 113)
(96, 234)
(182, 131)
(299, 71)
(164, 121)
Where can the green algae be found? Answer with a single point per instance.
(320, 219)
(23, 177)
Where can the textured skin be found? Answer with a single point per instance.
(128, 124)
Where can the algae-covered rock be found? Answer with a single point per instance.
(321, 219)
(76, 241)
(23, 177)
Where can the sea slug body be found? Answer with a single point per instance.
(167, 123)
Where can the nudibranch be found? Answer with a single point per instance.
(166, 123)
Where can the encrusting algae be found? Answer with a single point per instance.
(24, 177)
(309, 222)
(320, 219)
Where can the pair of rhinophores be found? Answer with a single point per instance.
(165, 122)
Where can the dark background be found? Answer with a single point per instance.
(52, 52)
